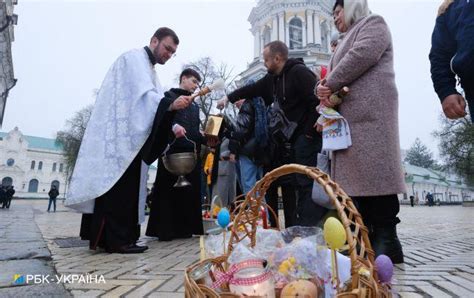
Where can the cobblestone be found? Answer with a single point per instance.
(438, 244)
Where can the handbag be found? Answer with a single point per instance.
(318, 194)
(280, 128)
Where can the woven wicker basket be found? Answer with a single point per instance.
(363, 273)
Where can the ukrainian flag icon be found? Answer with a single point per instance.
(18, 279)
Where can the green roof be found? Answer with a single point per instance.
(39, 143)
(421, 175)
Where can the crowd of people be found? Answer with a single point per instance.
(134, 120)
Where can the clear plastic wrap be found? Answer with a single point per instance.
(214, 245)
(291, 233)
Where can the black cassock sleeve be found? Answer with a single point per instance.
(158, 139)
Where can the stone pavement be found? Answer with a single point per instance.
(438, 245)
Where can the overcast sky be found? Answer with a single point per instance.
(63, 49)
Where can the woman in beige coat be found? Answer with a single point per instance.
(370, 170)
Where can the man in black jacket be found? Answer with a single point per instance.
(292, 84)
(10, 193)
(53, 194)
(452, 54)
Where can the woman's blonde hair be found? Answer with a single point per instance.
(444, 6)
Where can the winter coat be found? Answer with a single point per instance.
(452, 49)
(294, 88)
(363, 61)
(10, 193)
(243, 137)
(53, 193)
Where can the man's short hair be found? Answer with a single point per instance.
(338, 2)
(189, 72)
(278, 47)
(164, 32)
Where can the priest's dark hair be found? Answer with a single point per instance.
(338, 2)
(278, 47)
(164, 32)
(189, 72)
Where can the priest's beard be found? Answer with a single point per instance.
(158, 58)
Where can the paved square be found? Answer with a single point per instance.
(438, 245)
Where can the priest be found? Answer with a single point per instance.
(108, 184)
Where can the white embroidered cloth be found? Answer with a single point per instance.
(336, 131)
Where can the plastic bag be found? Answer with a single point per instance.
(289, 234)
(242, 252)
(214, 245)
(299, 259)
(319, 195)
(216, 206)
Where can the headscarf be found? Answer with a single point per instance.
(355, 10)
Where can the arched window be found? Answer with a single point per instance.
(267, 35)
(33, 185)
(60, 167)
(32, 164)
(40, 165)
(296, 33)
(7, 181)
(55, 183)
(54, 167)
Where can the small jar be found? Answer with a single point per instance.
(201, 274)
(253, 281)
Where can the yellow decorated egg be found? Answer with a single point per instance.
(334, 233)
(300, 288)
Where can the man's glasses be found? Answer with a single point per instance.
(170, 50)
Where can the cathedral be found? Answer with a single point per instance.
(304, 25)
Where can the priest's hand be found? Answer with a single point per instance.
(181, 102)
(179, 131)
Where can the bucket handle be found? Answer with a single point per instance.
(169, 145)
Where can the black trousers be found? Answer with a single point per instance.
(378, 211)
(52, 201)
(305, 151)
(114, 222)
(289, 203)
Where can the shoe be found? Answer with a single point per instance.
(385, 242)
(127, 249)
(184, 236)
(140, 246)
(165, 239)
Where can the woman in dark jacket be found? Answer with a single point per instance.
(245, 143)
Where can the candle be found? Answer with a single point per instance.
(253, 281)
